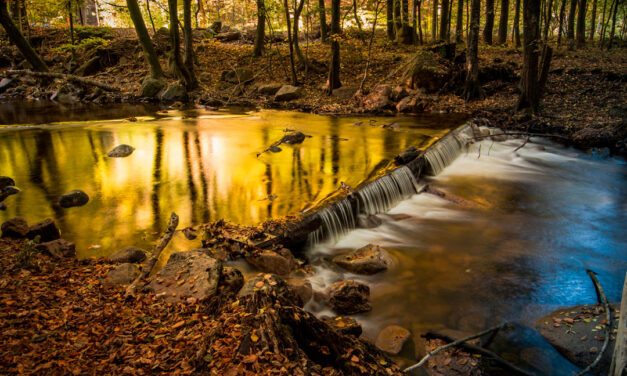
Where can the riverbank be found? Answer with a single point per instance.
(577, 108)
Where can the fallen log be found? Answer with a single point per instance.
(159, 247)
(67, 77)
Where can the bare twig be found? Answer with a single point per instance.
(608, 317)
(453, 344)
(159, 247)
(67, 77)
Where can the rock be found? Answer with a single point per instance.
(73, 198)
(229, 36)
(428, 72)
(92, 66)
(293, 138)
(175, 93)
(47, 231)
(281, 262)
(8, 191)
(349, 297)
(378, 99)
(272, 285)
(123, 274)
(301, 287)
(6, 83)
(368, 221)
(14, 228)
(287, 93)
(237, 76)
(190, 274)
(399, 92)
(57, 248)
(368, 260)
(64, 94)
(6, 181)
(121, 151)
(345, 325)
(410, 105)
(344, 92)
(392, 338)
(151, 87)
(132, 255)
(216, 27)
(269, 89)
(3, 206)
(232, 279)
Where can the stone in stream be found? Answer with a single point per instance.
(392, 338)
(8, 191)
(349, 297)
(14, 228)
(288, 93)
(121, 151)
(367, 260)
(293, 138)
(175, 93)
(190, 274)
(123, 274)
(301, 287)
(59, 248)
(578, 333)
(47, 231)
(73, 198)
(6, 181)
(132, 255)
(280, 262)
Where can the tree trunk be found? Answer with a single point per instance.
(406, 33)
(547, 19)
(530, 93)
(303, 60)
(560, 28)
(603, 22)
(357, 21)
(289, 41)
(261, 24)
(152, 21)
(398, 22)
(334, 66)
(389, 4)
(489, 22)
(459, 21)
(581, 24)
(144, 39)
(419, 21)
(572, 12)
(177, 68)
(434, 21)
(16, 37)
(609, 43)
(516, 30)
(503, 22)
(444, 21)
(188, 39)
(593, 20)
(472, 89)
(324, 33)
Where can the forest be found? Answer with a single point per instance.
(324, 187)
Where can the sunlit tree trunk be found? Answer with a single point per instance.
(398, 22)
(16, 37)
(188, 39)
(261, 31)
(459, 32)
(581, 24)
(357, 20)
(434, 21)
(444, 21)
(530, 93)
(593, 20)
(334, 66)
(290, 42)
(503, 22)
(405, 32)
(516, 29)
(177, 68)
(144, 39)
(297, 12)
(324, 33)
(489, 22)
(472, 88)
(389, 4)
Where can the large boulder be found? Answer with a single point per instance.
(14, 228)
(392, 338)
(229, 36)
(349, 297)
(344, 92)
(57, 248)
(47, 231)
(367, 260)
(190, 274)
(132, 255)
(428, 72)
(411, 105)
(378, 99)
(301, 287)
(151, 87)
(237, 76)
(73, 198)
(288, 93)
(280, 262)
(123, 274)
(175, 93)
(293, 138)
(121, 151)
(269, 88)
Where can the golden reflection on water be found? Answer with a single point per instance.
(204, 168)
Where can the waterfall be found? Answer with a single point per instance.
(337, 219)
(446, 150)
(380, 195)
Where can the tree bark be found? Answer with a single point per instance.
(398, 22)
(503, 22)
(177, 68)
(188, 39)
(16, 37)
(560, 28)
(489, 22)
(419, 21)
(334, 66)
(547, 19)
(289, 40)
(261, 31)
(324, 33)
(405, 34)
(581, 24)
(611, 40)
(444, 18)
(603, 22)
(530, 93)
(572, 12)
(357, 21)
(144, 39)
(389, 4)
(593, 20)
(459, 32)
(303, 60)
(434, 21)
(516, 31)
(472, 89)
(152, 21)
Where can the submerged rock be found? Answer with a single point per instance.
(129, 255)
(121, 151)
(301, 287)
(190, 274)
(14, 228)
(8, 191)
(367, 260)
(349, 297)
(293, 138)
(73, 198)
(6, 181)
(280, 262)
(47, 231)
(58, 248)
(287, 93)
(392, 338)
(123, 274)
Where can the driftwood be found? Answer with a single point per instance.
(619, 358)
(159, 247)
(452, 344)
(608, 317)
(67, 77)
(480, 350)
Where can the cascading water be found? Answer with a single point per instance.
(445, 151)
(380, 195)
(337, 220)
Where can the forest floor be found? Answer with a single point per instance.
(584, 101)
